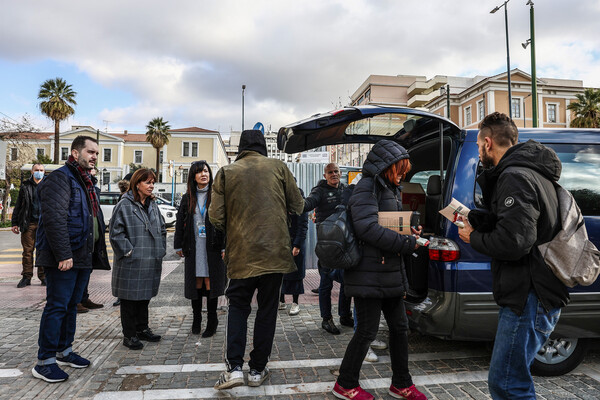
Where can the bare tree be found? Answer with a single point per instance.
(13, 132)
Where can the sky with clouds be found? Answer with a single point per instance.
(186, 60)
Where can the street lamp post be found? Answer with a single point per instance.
(524, 98)
(243, 90)
(534, 108)
(446, 90)
(104, 171)
(507, 54)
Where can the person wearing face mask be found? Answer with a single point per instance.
(139, 239)
(201, 244)
(25, 221)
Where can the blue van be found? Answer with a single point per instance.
(450, 294)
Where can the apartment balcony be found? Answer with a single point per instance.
(419, 87)
(420, 100)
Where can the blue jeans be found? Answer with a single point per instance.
(518, 339)
(59, 319)
(328, 276)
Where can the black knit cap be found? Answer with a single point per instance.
(253, 140)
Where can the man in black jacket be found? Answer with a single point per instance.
(324, 198)
(25, 220)
(519, 193)
(70, 241)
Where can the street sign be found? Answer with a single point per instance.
(259, 127)
(314, 157)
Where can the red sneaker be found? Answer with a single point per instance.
(409, 393)
(354, 394)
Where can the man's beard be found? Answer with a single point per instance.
(486, 160)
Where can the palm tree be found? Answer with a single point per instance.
(586, 109)
(157, 133)
(57, 100)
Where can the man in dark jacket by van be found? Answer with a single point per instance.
(70, 240)
(519, 192)
(324, 198)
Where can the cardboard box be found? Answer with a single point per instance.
(398, 221)
(413, 199)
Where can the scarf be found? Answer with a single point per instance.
(89, 184)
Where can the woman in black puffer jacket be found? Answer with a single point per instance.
(379, 284)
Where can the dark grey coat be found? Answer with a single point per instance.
(136, 276)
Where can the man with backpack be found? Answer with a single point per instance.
(518, 190)
(324, 198)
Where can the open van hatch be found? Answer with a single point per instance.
(430, 140)
(364, 124)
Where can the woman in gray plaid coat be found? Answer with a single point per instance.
(138, 238)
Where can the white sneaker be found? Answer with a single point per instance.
(230, 379)
(281, 306)
(256, 378)
(294, 309)
(371, 356)
(378, 345)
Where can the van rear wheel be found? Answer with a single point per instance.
(559, 356)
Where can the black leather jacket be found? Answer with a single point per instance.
(21, 216)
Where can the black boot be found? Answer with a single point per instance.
(213, 321)
(197, 309)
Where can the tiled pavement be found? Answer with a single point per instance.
(304, 360)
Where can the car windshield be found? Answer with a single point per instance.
(386, 125)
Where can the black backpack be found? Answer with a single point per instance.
(337, 248)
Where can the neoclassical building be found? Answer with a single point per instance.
(466, 100)
(120, 149)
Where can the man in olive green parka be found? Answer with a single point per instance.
(250, 202)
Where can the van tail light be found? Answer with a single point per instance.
(442, 249)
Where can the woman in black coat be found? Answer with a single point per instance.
(379, 284)
(293, 283)
(201, 245)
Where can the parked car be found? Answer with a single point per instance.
(108, 201)
(451, 295)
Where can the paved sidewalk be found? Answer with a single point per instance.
(304, 360)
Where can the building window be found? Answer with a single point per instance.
(480, 110)
(105, 178)
(64, 153)
(190, 149)
(14, 154)
(161, 155)
(138, 156)
(107, 155)
(551, 112)
(40, 152)
(468, 119)
(184, 175)
(516, 107)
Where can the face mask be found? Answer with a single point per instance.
(38, 175)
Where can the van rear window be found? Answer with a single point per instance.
(581, 174)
